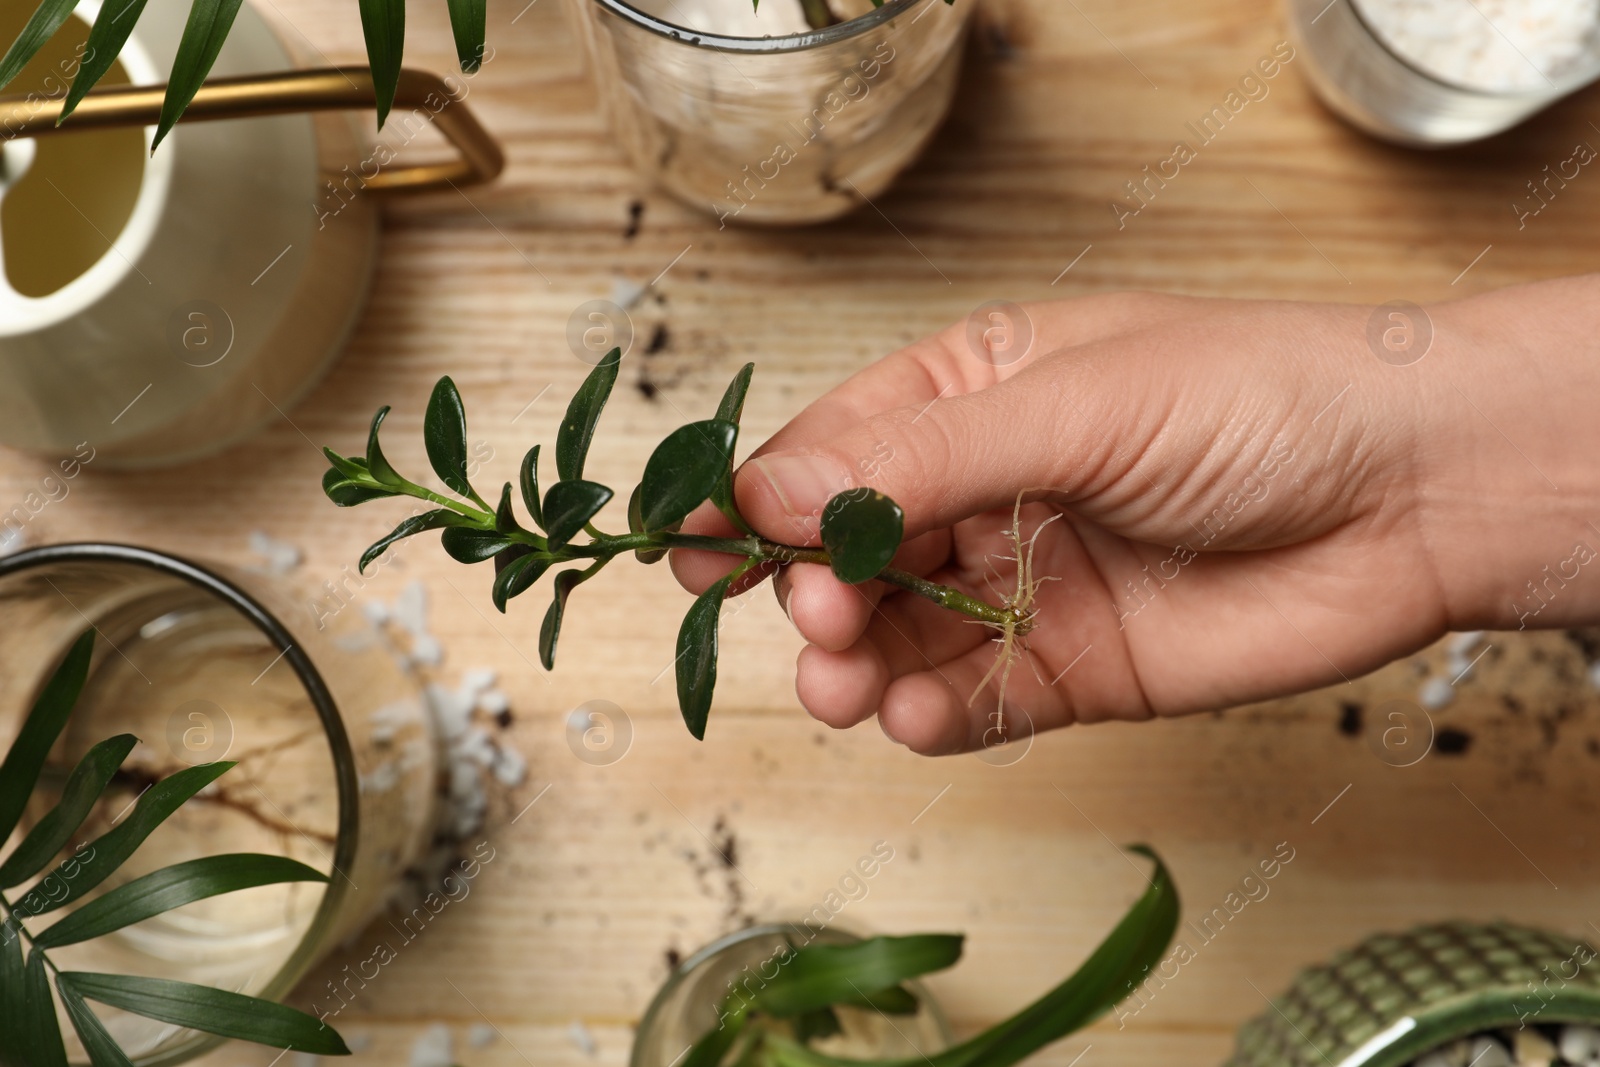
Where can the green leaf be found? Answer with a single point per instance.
(377, 465)
(106, 38)
(505, 520)
(75, 876)
(348, 492)
(895, 1000)
(819, 976)
(861, 529)
(730, 410)
(32, 1037)
(51, 833)
(550, 629)
(444, 432)
(47, 19)
(713, 1047)
(20, 771)
(684, 469)
(203, 36)
(697, 657)
(516, 577)
(103, 1050)
(173, 887)
(215, 1011)
(530, 486)
(468, 545)
(816, 1025)
(436, 519)
(383, 22)
(467, 24)
(577, 429)
(636, 525)
(570, 504)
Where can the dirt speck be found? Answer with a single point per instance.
(1452, 742)
(660, 338)
(1350, 718)
(635, 214)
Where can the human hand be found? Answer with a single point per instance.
(1224, 501)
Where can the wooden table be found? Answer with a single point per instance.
(619, 868)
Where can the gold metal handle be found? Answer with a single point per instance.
(323, 89)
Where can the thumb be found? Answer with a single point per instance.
(943, 463)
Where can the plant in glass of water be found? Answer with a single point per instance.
(30, 1031)
(861, 529)
(776, 1022)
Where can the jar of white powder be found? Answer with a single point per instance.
(1438, 72)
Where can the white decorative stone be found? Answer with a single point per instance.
(434, 1048)
(1580, 1044)
(581, 1038)
(1487, 1052)
(1435, 693)
(481, 1035)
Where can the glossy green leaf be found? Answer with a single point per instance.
(173, 887)
(444, 432)
(861, 529)
(97, 1042)
(550, 629)
(214, 1011)
(684, 469)
(377, 464)
(570, 504)
(29, 1033)
(822, 975)
(516, 577)
(636, 525)
(730, 410)
(468, 545)
(350, 467)
(87, 868)
(106, 38)
(583, 412)
(347, 492)
(383, 23)
(20, 771)
(467, 25)
(530, 486)
(40, 27)
(505, 520)
(437, 519)
(697, 657)
(51, 833)
(895, 1000)
(203, 36)
(816, 1025)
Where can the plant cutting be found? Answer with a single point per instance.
(779, 1019)
(30, 982)
(861, 529)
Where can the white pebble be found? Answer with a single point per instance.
(477, 679)
(451, 710)
(12, 540)
(1462, 643)
(305, 1059)
(1580, 1044)
(476, 747)
(281, 557)
(511, 768)
(1457, 668)
(411, 608)
(427, 650)
(1487, 1052)
(376, 611)
(358, 1042)
(481, 1035)
(581, 1037)
(624, 293)
(382, 779)
(1435, 693)
(433, 1048)
(1530, 1048)
(493, 702)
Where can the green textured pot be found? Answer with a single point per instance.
(1397, 996)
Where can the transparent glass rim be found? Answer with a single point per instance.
(792, 42)
(344, 766)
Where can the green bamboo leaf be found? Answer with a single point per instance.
(348, 492)
(583, 412)
(570, 504)
(530, 486)
(516, 577)
(467, 19)
(383, 23)
(436, 519)
(29, 1012)
(106, 38)
(712, 1048)
(822, 975)
(550, 629)
(173, 887)
(377, 465)
(730, 410)
(468, 545)
(20, 771)
(46, 20)
(684, 469)
(861, 529)
(697, 657)
(203, 36)
(214, 1011)
(636, 525)
(102, 1048)
(444, 432)
(51, 833)
(90, 866)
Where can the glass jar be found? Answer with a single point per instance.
(798, 127)
(336, 760)
(1371, 84)
(687, 1007)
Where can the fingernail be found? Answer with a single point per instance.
(803, 485)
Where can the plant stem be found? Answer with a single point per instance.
(15, 921)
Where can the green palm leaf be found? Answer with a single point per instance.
(383, 22)
(467, 24)
(47, 19)
(203, 35)
(20, 772)
(51, 833)
(215, 1011)
(109, 33)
